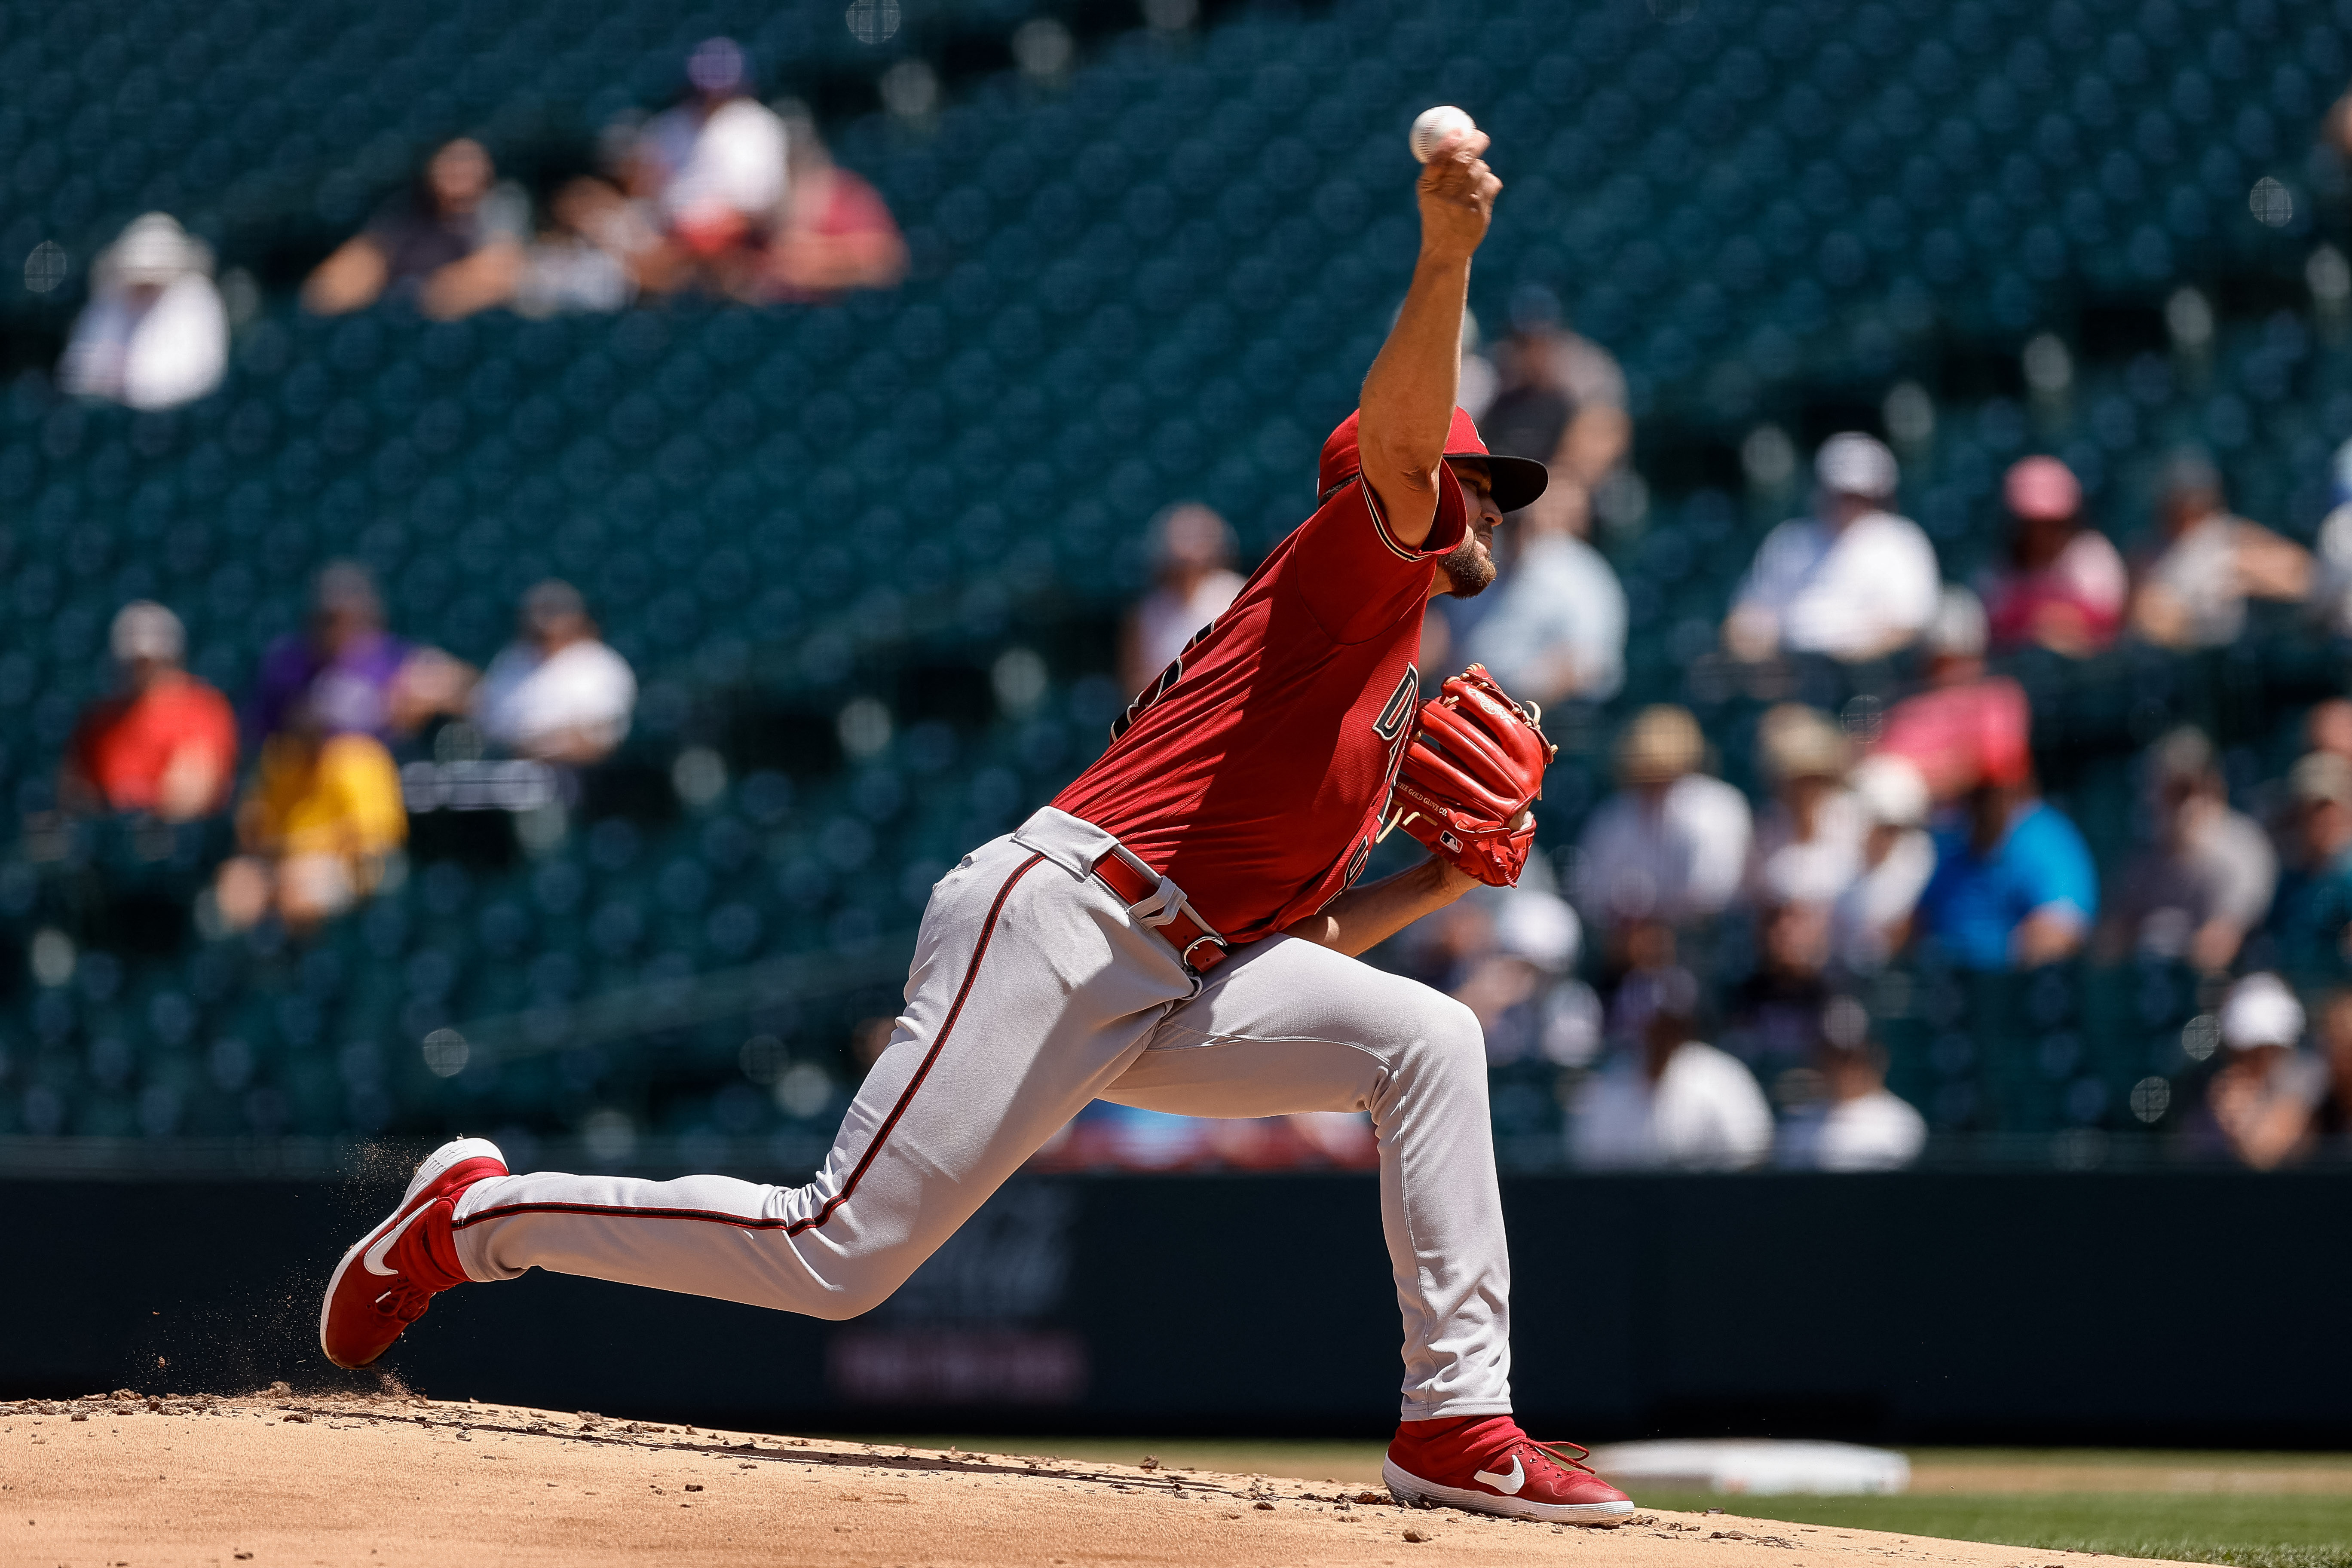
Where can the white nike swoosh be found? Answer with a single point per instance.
(373, 1259)
(1507, 1485)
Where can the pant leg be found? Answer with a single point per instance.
(1030, 990)
(1287, 1027)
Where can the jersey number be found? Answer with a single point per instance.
(1400, 705)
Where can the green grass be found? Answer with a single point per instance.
(2246, 1530)
(2299, 1530)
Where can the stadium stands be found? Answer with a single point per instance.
(863, 557)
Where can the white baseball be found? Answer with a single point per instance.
(1434, 126)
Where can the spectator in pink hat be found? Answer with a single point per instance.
(2064, 586)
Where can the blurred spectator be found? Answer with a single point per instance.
(1674, 1102)
(1560, 399)
(2331, 1120)
(2261, 1102)
(2331, 592)
(584, 258)
(348, 674)
(2207, 880)
(1872, 919)
(1854, 581)
(1857, 1125)
(1968, 728)
(1522, 986)
(834, 233)
(315, 828)
(1191, 556)
(1554, 626)
(1808, 851)
(557, 692)
(2311, 921)
(165, 744)
(1672, 843)
(1809, 842)
(714, 170)
(2064, 586)
(2192, 580)
(1776, 1010)
(2327, 727)
(2013, 886)
(454, 243)
(154, 333)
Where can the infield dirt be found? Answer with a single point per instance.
(389, 1480)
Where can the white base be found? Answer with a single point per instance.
(434, 1163)
(1413, 1492)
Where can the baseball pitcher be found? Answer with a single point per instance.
(1177, 931)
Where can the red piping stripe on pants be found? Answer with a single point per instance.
(795, 1227)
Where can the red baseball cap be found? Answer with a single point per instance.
(1516, 481)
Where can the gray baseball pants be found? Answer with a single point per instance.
(1035, 991)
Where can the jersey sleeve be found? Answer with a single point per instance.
(1355, 576)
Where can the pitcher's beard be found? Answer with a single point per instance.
(1470, 571)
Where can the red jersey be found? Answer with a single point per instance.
(123, 743)
(1253, 771)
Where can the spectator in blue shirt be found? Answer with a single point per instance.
(2014, 887)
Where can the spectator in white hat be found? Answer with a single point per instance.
(2261, 1102)
(1872, 919)
(1854, 581)
(1528, 1001)
(154, 333)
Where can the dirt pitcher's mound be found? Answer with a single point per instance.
(281, 1479)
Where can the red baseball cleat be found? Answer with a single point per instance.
(1486, 1465)
(406, 1260)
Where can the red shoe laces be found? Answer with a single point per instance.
(1552, 1451)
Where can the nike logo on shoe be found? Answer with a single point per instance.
(1508, 1485)
(373, 1259)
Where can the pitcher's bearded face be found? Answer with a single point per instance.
(1469, 567)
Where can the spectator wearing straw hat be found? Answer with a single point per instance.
(2259, 1104)
(2311, 919)
(165, 744)
(155, 331)
(1809, 840)
(1671, 845)
(2064, 586)
(1852, 581)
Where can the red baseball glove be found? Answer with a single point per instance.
(1471, 776)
